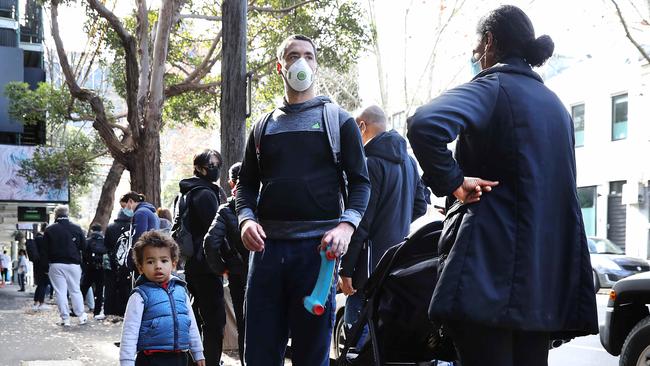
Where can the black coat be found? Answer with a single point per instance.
(202, 205)
(397, 198)
(223, 246)
(520, 259)
(64, 242)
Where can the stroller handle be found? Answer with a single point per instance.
(315, 303)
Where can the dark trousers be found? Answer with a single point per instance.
(209, 310)
(237, 286)
(21, 280)
(479, 345)
(162, 359)
(94, 277)
(117, 290)
(42, 281)
(280, 278)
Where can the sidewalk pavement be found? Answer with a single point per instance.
(32, 338)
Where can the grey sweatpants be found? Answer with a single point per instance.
(66, 278)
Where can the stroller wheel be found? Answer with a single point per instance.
(339, 336)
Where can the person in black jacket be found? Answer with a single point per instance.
(397, 198)
(299, 211)
(64, 242)
(93, 269)
(225, 251)
(519, 271)
(36, 253)
(118, 276)
(205, 285)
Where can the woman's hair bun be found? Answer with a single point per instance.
(539, 50)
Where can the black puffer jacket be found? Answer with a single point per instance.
(64, 242)
(223, 246)
(202, 205)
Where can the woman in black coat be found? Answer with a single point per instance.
(519, 272)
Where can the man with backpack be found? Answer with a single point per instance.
(309, 159)
(225, 251)
(93, 269)
(118, 277)
(195, 208)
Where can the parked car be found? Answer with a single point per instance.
(626, 331)
(610, 264)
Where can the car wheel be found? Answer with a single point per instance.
(339, 336)
(596, 281)
(636, 349)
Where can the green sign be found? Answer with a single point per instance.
(32, 214)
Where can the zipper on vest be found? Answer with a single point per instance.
(174, 316)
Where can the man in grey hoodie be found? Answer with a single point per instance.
(299, 211)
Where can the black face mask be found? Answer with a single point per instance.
(212, 174)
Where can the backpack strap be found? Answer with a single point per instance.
(258, 132)
(333, 128)
(332, 120)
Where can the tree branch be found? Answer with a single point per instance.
(200, 16)
(204, 67)
(265, 9)
(132, 73)
(100, 123)
(142, 31)
(167, 12)
(182, 88)
(124, 129)
(180, 67)
(628, 35)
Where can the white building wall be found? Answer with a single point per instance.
(601, 160)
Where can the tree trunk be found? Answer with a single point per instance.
(376, 49)
(107, 197)
(145, 167)
(233, 85)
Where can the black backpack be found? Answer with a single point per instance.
(180, 231)
(95, 251)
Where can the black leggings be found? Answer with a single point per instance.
(479, 345)
(237, 286)
(95, 278)
(209, 310)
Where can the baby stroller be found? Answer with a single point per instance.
(397, 298)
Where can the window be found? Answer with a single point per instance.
(578, 115)
(619, 117)
(616, 187)
(587, 198)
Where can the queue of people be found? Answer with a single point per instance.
(313, 178)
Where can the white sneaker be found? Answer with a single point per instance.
(36, 307)
(65, 322)
(44, 307)
(100, 316)
(83, 319)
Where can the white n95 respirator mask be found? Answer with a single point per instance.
(299, 75)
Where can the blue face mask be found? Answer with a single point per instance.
(128, 212)
(476, 66)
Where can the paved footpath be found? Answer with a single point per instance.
(29, 338)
